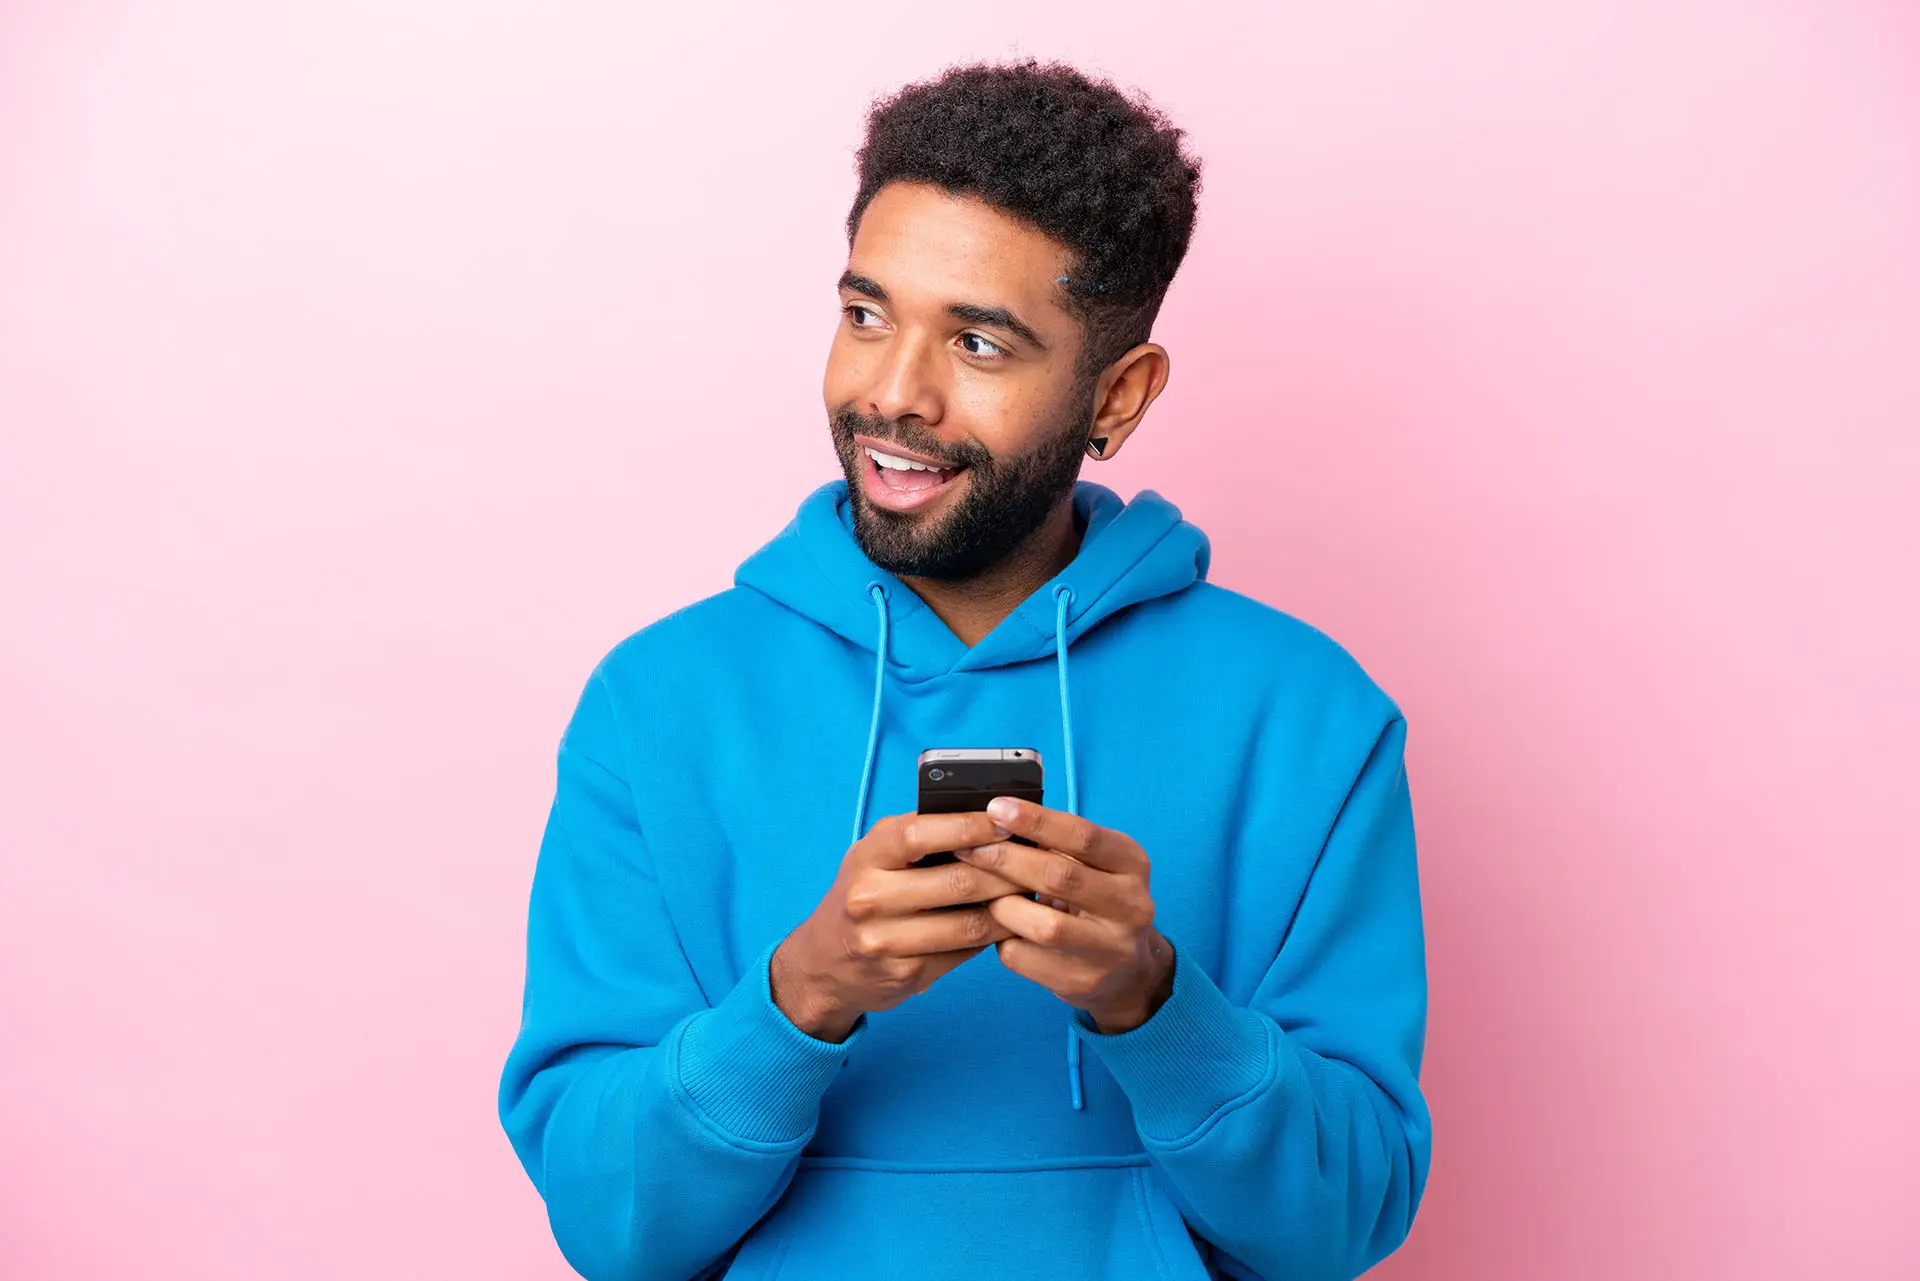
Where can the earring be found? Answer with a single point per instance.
(1097, 446)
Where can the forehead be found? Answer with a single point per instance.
(928, 245)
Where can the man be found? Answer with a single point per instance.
(733, 1057)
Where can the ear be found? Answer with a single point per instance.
(1124, 390)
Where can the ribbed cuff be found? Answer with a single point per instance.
(1197, 1053)
(750, 1071)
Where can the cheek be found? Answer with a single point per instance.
(1006, 415)
(841, 378)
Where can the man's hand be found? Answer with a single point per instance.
(887, 930)
(1090, 938)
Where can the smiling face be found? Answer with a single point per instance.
(953, 350)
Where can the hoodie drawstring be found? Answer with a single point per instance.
(878, 591)
(1063, 597)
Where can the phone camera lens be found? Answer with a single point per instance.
(936, 774)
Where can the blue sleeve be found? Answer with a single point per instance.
(1291, 1131)
(657, 1126)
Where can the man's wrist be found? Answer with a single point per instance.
(1159, 987)
(808, 1002)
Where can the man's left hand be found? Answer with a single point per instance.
(1090, 939)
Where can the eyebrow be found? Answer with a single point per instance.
(972, 313)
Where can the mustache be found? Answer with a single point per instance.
(847, 421)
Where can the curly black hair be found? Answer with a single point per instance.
(1102, 172)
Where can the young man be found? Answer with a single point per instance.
(735, 1058)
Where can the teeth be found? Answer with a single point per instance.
(901, 464)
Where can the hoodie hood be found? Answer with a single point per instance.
(1129, 552)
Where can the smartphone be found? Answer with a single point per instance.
(960, 780)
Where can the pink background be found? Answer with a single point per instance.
(367, 370)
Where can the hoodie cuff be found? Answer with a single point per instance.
(1198, 1053)
(746, 1067)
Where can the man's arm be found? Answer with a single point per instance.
(657, 1127)
(1292, 1132)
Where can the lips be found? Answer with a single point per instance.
(902, 489)
(889, 453)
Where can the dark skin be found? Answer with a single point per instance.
(973, 348)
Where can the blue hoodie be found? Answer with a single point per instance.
(1265, 1122)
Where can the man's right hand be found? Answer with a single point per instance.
(887, 929)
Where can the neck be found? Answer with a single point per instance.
(973, 607)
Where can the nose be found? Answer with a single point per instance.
(905, 380)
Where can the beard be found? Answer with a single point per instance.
(1006, 499)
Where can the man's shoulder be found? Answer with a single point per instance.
(710, 628)
(1257, 640)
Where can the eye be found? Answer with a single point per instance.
(994, 350)
(854, 309)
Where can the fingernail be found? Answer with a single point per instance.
(1002, 808)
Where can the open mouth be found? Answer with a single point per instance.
(903, 483)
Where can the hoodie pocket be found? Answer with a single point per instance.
(861, 1223)
(1180, 1259)
(760, 1255)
